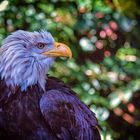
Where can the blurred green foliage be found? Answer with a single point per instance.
(105, 69)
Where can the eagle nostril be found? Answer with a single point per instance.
(58, 45)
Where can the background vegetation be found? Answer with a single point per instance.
(105, 69)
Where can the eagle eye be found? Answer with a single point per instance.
(40, 45)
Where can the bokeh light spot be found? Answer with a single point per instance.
(113, 25)
(131, 107)
(99, 44)
(107, 53)
(102, 34)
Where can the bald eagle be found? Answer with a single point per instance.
(34, 106)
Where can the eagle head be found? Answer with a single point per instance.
(25, 58)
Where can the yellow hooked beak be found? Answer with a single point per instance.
(59, 50)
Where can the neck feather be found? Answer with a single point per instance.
(23, 70)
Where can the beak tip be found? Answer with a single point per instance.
(70, 56)
(69, 53)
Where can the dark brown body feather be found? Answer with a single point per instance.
(56, 114)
